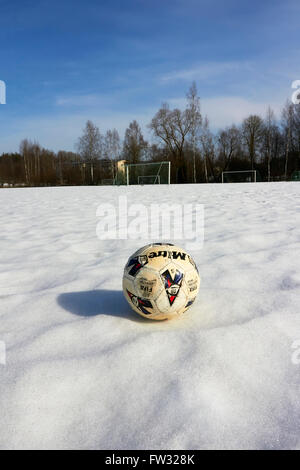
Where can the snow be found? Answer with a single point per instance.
(83, 371)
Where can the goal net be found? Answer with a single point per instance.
(149, 179)
(108, 181)
(148, 173)
(244, 176)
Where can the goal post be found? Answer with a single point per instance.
(148, 173)
(242, 176)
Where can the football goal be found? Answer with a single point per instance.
(148, 173)
(243, 176)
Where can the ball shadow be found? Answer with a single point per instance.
(98, 302)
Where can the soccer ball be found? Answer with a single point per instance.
(160, 281)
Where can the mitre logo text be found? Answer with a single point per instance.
(167, 254)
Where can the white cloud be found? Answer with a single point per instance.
(205, 71)
(226, 110)
(84, 100)
(61, 132)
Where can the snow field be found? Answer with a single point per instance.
(83, 371)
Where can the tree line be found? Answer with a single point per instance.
(264, 143)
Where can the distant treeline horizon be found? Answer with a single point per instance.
(267, 144)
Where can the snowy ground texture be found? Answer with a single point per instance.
(83, 371)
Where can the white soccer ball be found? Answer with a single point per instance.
(160, 281)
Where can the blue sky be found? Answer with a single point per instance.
(113, 61)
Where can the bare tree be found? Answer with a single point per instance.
(36, 150)
(112, 148)
(252, 130)
(112, 145)
(31, 153)
(297, 128)
(134, 143)
(269, 133)
(172, 127)
(287, 120)
(229, 143)
(24, 151)
(89, 146)
(207, 147)
(196, 121)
